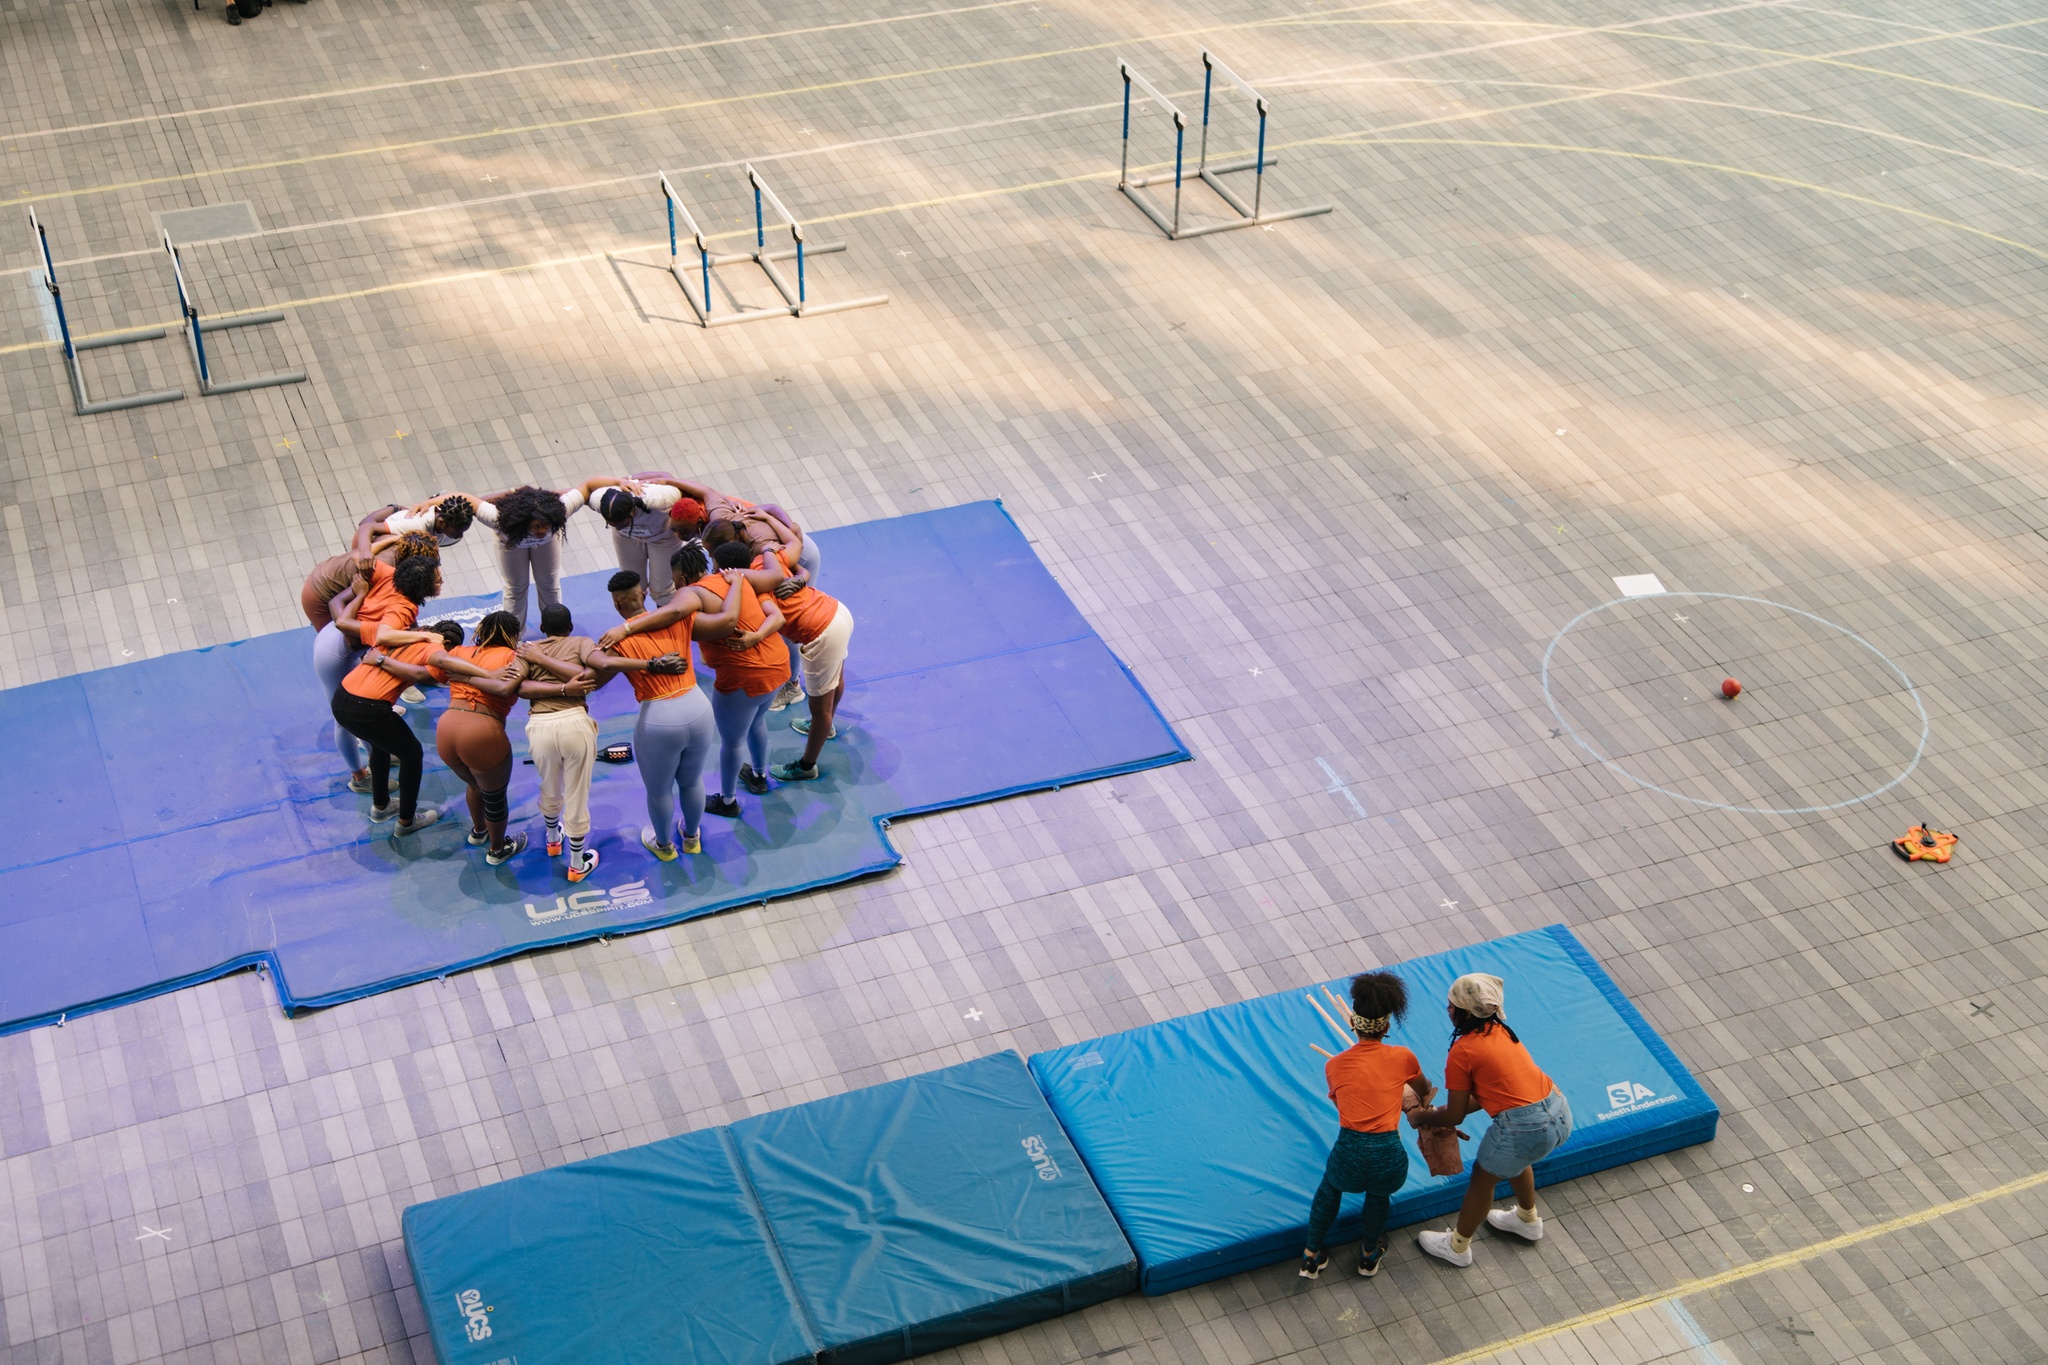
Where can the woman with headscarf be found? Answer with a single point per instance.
(1368, 1084)
(1489, 1068)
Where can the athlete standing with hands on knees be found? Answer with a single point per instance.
(1366, 1082)
(1488, 1068)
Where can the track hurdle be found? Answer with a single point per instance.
(197, 327)
(1249, 215)
(81, 399)
(696, 284)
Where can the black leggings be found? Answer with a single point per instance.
(385, 731)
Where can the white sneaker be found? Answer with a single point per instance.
(787, 695)
(1507, 1220)
(1438, 1244)
(412, 696)
(420, 820)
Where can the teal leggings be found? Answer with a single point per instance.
(1374, 1163)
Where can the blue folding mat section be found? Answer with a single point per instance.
(187, 816)
(856, 1230)
(1208, 1134)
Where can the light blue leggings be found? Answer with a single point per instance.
(672, 742)
(740, 718)
(334, 654)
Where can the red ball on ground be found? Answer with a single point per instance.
(1730, 688)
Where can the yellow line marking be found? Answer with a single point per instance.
(1737, 1274)
(619, 116)
(503, 71)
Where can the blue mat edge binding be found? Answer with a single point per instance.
(267, 963)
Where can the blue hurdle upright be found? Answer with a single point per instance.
(1253, 214)
(696, 281)
(82, 400)
(196, 328)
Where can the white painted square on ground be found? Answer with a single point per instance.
(1639, 585)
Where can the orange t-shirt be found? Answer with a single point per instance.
(653, 644)
(1498, 1071)
(806, 612)
(1366, 1081)
(491, 658)
(757, 671)
(367, 680)
(385, 608)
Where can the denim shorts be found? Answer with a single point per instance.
(1523, 1136)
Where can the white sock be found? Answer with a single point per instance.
(575, 850)
(554, 828)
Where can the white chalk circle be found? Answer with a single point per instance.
(1825, 719)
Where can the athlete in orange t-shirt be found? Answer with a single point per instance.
(819, 630)
(749, 669)
(362, 704)
(1366, 1082)
(1488, 1068)
(471, 734)
(674, 736)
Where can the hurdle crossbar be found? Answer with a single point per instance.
(1249, 215)
(197, 327)
(696, 283)
(81, 398)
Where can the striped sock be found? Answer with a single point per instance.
(554, 828)
(575, 850)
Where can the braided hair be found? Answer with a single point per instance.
(689, 560)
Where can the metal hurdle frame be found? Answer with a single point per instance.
(196, 329)
(1249, 215)
(81, 399)
(796, 304)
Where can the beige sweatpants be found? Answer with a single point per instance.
(564, 748)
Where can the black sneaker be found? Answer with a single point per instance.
(1369, 1261)
(514, 846)
(752, 780)
(1312, 1263)
(727, 806)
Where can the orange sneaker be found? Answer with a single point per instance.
(578, 871)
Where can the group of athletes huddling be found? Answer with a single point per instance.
(695, 566)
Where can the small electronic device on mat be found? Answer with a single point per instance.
(1925, 844)
(616, 753)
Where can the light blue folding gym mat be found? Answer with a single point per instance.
(1208, 1133)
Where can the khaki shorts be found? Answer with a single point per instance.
(824, 657)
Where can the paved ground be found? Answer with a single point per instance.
(1743, 295)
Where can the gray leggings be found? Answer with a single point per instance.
(672, 742)
(334, 654)
(741, 718)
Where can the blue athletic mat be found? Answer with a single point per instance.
(653, 1254)
(933, 1210)
(187, 816)
(854, 1230)
(1208, 1134)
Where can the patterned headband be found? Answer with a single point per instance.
(1361, 1024)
